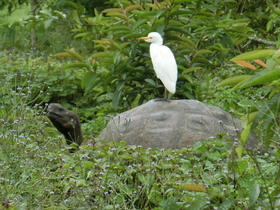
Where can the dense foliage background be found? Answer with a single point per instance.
(86, 56)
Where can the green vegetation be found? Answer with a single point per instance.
(90, 61)
(17, 14)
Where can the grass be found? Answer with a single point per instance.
(38, 172)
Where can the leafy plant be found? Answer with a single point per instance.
(43, 80)
(203, 36)
(38, 172)
(261, 111)
(122, 64)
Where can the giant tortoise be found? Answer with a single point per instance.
(173, 124)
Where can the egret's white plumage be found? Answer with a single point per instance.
(163, 60)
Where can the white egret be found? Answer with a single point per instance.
(164, 62)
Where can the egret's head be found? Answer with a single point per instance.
(153, 37)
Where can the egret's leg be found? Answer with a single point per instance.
(165, 94)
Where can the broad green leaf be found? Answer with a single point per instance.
(87, 164)
(246, 181)
(219, 47)
(188, 42)
(82, 35)
(205, 14)
(101, 41)
(151, 82)
(126, 156)
(153, 6)
(237, 86)
(124, 44)
(138, 23)
(144, 14)
(116, 98)
(63, 54)
(242, 165)
(239, 22)
(199, 60)
(256, 54)
(245, 134)
(273, 92)
(200, 52)
(160, 12)
(227, 204)
(226, 40)
(262, 77)
(198, 203)
(88, 80)
(32, 24)
(45, 12)
(74, 54)
(119, 15)
(145, 158)
(188, 70)
(47, 23)
(182, 12)
(179, 29)
(249, 103)
(110, 79)
(176, 23)
(72, 4)
(76, 17)
(169, 203)
(119, 28)
(116, 45)
(187, 77)
(117, 93)
(15, 23)
(112, 10)
(77, 65)
(254, 194)
(132, 7)
(234, 80)
(132, 35)
(270, 63)
(30, 18)
(120, 85)
(101, 54)
(179, 1)
(249, 118)
(269, 24)
(243, 139)
(243, 29)
(269, 110)
(59, 14)
(122, 32)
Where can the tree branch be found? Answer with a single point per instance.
(259, 40)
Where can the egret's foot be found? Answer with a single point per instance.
(162, 99)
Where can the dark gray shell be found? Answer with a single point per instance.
(174, 124)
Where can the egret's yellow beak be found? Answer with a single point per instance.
(144, 38)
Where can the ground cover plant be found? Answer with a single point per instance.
(38, 172)
(103, 69)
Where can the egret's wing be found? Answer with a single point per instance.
(165, 66)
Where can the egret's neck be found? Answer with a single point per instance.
(158, 43)
(154, 48)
